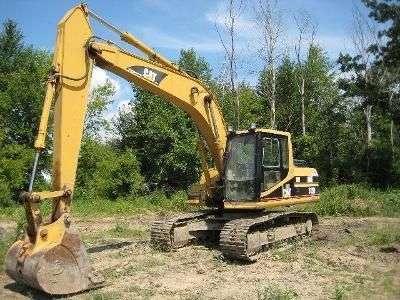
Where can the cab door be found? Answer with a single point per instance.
(274, 160)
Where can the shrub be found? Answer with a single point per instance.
(104, 172)
(358, 200)
(15, 164)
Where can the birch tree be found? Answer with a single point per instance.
(227, 33)
(363, 36)
(268, 18)
(306, 34)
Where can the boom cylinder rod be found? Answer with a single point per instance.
(104, 22)
(203, 159)
(44, 119)
(41, 136)
(213, 121)
(130, 39)
(135, 42)
(33, 174)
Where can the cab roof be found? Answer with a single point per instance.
(264, 130)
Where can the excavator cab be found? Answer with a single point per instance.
(259, 167)
(255, 162)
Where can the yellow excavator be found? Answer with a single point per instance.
(253, 170)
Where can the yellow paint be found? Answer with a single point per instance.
(305, 184)
(47, 195)
(269, 203)
(41, 137)
(130, 39)
(293, 170)
(55, 234)
(75, 53)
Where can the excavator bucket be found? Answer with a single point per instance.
(57, 263)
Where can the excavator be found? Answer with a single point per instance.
(246, 177)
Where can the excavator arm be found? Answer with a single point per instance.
(172, 85)
(53, 249)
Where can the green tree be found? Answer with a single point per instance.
(375, 82)
(227, 100)
(106, 172)
(288, 106)
(99, 100)
(163, 137)
(23, 73)
(387, 53)
(251, 108)
(387, 12)
(324, 110)
(195, 65)
(103, 170)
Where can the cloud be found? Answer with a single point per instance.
(121, 106)
(122, 88)
(220, 17)
(122, 92)
(100, 77)
(244, 25)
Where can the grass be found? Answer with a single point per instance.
(156, 202)
(383, 284)
(377, 235)
(340, 291)
(343, 200)
(276, 293)
(358, 201)
(384, 235)
(10, 237)
(118, 231)
(124, 231)
(143, 293)
(143, 264)
(284, 254)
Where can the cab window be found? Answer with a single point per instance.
(271, 153)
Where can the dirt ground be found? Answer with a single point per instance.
(342, 260)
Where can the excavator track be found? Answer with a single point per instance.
(162, 233)
(245, 239)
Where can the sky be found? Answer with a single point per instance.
(169, 26)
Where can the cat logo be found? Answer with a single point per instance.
(150, 74)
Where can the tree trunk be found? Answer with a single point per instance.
(368, 113)
(392, 138)
(273, 98)
(303, 113)
(391, 128)
(237, 111)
